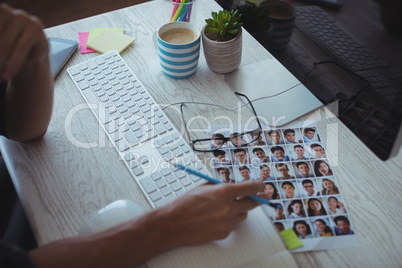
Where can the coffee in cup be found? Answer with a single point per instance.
(178, 46)
(178, 36)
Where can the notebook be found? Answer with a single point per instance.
(254, 243)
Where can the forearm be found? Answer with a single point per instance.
(125, 245)
(29, 101)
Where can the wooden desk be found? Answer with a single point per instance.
(72, 172)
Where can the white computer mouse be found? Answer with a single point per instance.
(114, 213)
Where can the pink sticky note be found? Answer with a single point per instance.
(83, 38)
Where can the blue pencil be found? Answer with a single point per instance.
(215, 181)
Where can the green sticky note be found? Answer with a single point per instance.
(291, 239)
(96, 31)
(109, 40)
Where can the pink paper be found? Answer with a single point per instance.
(83, 38)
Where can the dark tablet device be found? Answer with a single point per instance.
(60, 51)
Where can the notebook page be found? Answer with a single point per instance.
(252, 240)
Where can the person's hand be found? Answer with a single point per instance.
(210, 212)
(322, 172)
(22, 41)
(342, 206)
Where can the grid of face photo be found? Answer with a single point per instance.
(297, 174)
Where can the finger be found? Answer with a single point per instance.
(23, 51)
(245, 188)
(9, 38)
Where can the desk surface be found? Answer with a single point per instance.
(72, 172)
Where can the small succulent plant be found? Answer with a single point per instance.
(224, 23)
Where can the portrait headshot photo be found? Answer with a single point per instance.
(274, 137)
(240, 156)
(289, 190)
(221, 158)
(257, 138)
(292, 136)
(266, 173)
(315, 207)
(329, 187)
(245, 174)
(322, 169)
(335, 205)
(225, 174)
(298, 153)
(217, 141)
(303, 170)
(321, 227)
(260, 155)
(302, 229)
(284, 171)
(237, 140)
(318, 151)
(310, 135)
(309, 188)
(342, 226)
(279, 226)
(279, 154)
(270, 191)
(295, 209)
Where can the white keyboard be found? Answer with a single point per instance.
(139, 130)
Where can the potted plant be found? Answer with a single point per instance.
(222, 41)
(256, 21)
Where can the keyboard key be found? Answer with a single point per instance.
(83, 85)
(138, 171)
(122, 145)
(143, 159)
(90, 96)
(180, 173)
(92, 65)
(160, 183)
(168, 139)
(176, 186)
(156, 175)
(163, 150)
(166, 191)
(79, 77)
(74, 70)
(166, 171)
(170, 178)
(155, 196)
(111, 127)
(148, 185)
(134, 126)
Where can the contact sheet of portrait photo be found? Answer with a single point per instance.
(292, 161)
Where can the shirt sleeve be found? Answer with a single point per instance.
(13, 257)
(3, 130)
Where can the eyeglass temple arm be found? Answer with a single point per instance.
(185, 124)
(252, 108)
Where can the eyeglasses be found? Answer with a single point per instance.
(217, 140)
